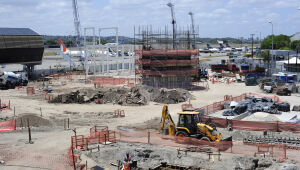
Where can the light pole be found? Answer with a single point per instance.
(272, 61)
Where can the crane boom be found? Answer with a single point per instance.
(76, 21)
(173, 23)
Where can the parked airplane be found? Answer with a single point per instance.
(211, 49)
(69, 52)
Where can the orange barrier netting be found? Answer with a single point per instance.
(165, 63)
(30, 90)
(98, 134)
(9, 125)
(109, 81)
(165, 53)
(234, 147)
(192, 71)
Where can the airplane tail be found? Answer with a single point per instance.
(62, 46)
(63, 50)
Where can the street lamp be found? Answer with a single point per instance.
(272, 62)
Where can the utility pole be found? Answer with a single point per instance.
(76, 22)
(193, 30)
(252, 44)
(173, 23)
(272, 61)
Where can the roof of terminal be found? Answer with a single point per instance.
(17, 31)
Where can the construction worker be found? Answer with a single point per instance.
(126, 164)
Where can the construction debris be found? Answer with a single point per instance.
(138, 95)
(253, 104)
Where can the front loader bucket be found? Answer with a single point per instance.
(227, 139)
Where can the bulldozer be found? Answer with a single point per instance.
(189, 126)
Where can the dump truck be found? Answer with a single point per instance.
(189, 125)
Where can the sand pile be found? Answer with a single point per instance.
(261, 116)
(138, 95)
(34, 120)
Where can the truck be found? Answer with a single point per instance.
(9, 79)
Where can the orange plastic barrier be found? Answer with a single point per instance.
(192, 71)
(30, 90)
(9, 125)
(109, 81)
(253, 125)
(164, 53)
(164, 63)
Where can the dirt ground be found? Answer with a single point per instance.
(51, 141)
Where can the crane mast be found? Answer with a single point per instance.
(173, 23)
(76, 21)
(193, 29)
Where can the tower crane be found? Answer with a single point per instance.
(193, 29)
(76, 21)
(173, 23)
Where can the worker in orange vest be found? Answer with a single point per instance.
(126, 164)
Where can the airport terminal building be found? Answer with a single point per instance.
(20, 46)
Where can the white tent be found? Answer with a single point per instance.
(293, 60)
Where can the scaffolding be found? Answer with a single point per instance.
(108, 59)
(163, 64)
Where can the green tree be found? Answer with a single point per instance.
(295, 45)
(51, 42)
(280, 42)
(69, 43)
(265, 55)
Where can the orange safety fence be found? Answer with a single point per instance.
(234, 147)
(98, 134)
(30, 90)
(109, 81)
(165, 53)
(192, 71)
(164, 63)
(277, 126)
(9, 125)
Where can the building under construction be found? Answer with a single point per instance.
(166, 60)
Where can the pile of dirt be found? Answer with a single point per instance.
(138, 95)
(34, 120)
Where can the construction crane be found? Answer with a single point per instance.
(173, 23)
(76, 22)
(193, 29)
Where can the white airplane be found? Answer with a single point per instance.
(69, 52)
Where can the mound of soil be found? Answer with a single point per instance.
(34, 120)
(138, 95)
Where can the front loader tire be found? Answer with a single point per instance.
(181, 134)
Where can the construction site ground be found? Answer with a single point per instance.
(51, 141)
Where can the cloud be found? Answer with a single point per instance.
(215, 17)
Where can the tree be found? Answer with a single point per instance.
(51, 42)
(295, 45)
(280, 42)
(69, 43)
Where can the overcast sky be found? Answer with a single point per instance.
(216, 18)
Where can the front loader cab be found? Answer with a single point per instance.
(187, 123)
